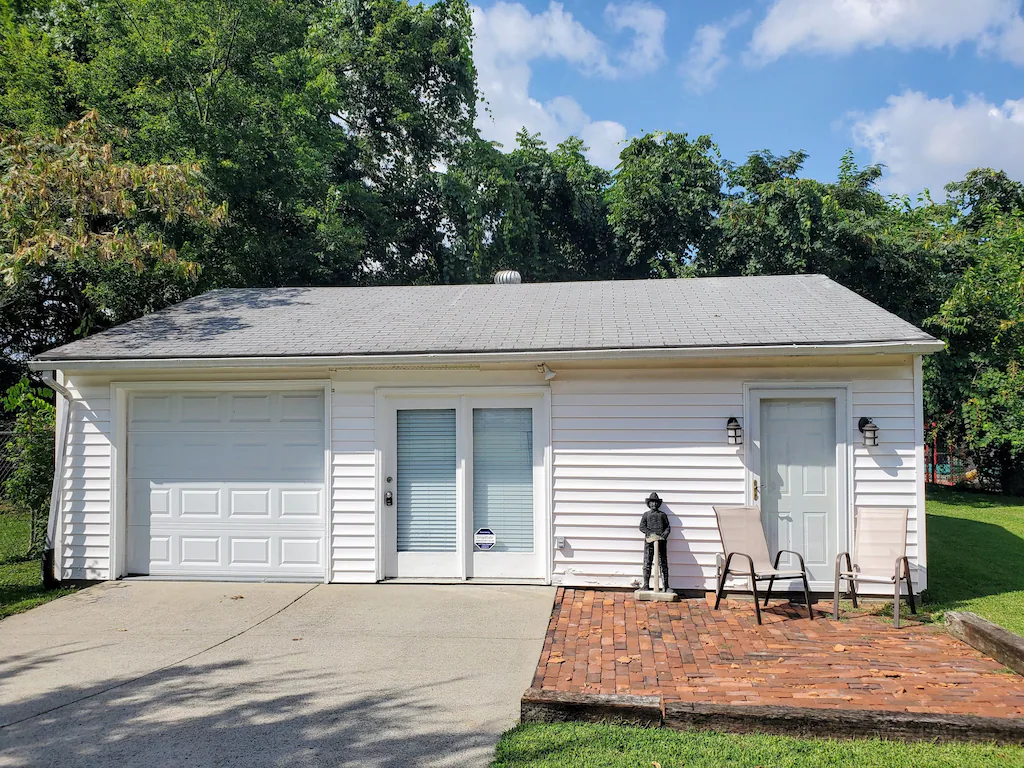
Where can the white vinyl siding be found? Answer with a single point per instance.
(615, 441)
(886, 476)
(616, 436)
(503, 476)
(353, 537)
(85, 485)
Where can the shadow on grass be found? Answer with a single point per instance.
(972, 552)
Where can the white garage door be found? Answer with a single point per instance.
(226, 485)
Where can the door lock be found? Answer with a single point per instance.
(755, 489)
(389, 498)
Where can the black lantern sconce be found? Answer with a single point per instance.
(869, 430)
(734, 430)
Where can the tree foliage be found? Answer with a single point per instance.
(65, 197)
(663, 204)
(978, 389)
(30, 454)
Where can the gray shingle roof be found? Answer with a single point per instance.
(540, 317)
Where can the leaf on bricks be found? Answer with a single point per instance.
(627, 659)
(555, 659)
(839, 648)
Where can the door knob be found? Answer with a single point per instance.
(755, 489)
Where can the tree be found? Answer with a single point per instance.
(542, 212)
(775, 222)
(977, 383)
(981, 191)
(65, 197)
(322, 124)
(664, 200)
(88, 239)
(30, 454)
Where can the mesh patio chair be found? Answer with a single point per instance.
(879, 557)
(743, 537)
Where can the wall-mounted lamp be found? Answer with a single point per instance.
(548, 373)
(870, 431)
(734, 430)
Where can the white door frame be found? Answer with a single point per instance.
(840, 392)
(388, 400)
(119, 391)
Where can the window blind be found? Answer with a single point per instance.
(503, 476)
(426, 480)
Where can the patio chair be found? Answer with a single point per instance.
(879, 557)
(743, 537)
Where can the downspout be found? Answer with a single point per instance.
(51, 579)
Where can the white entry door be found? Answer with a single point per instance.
(798, 484)
(463, 487)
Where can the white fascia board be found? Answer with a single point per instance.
(370, 361)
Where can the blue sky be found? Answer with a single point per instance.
(930, 88)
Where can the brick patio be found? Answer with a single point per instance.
(606, 643)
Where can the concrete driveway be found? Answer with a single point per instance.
(155, 673)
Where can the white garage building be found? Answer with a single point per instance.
(495, 432)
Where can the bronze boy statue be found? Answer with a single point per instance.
(655, 527)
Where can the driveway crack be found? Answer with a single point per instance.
(165, 667)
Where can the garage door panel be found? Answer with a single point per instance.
(282, 457)
(203, 411)
(300, 504)
(250, 504)
(227, 485)
(201, 503)
(250, 551)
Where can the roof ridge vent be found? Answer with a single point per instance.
(507, 277)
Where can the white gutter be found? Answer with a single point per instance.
(530, 357)
(51, 570)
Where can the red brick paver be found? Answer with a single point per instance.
(606, 642)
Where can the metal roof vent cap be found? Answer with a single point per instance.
(507, 277)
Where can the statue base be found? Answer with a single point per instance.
(653, 596)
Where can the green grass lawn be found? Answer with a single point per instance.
(21, 580)
(976, 556)
(975, 563)
(609, 746)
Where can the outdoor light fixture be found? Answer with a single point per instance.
(548, 373)
(869, 430)
(734, 430)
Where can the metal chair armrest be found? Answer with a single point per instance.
(799, 557)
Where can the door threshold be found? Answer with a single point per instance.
(496, 582)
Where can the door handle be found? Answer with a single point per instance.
(755, 489)
(389, 499)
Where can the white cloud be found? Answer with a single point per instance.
(927, 142)
(648, 23)
(842, 26)
(508, 38)
(706, 58)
